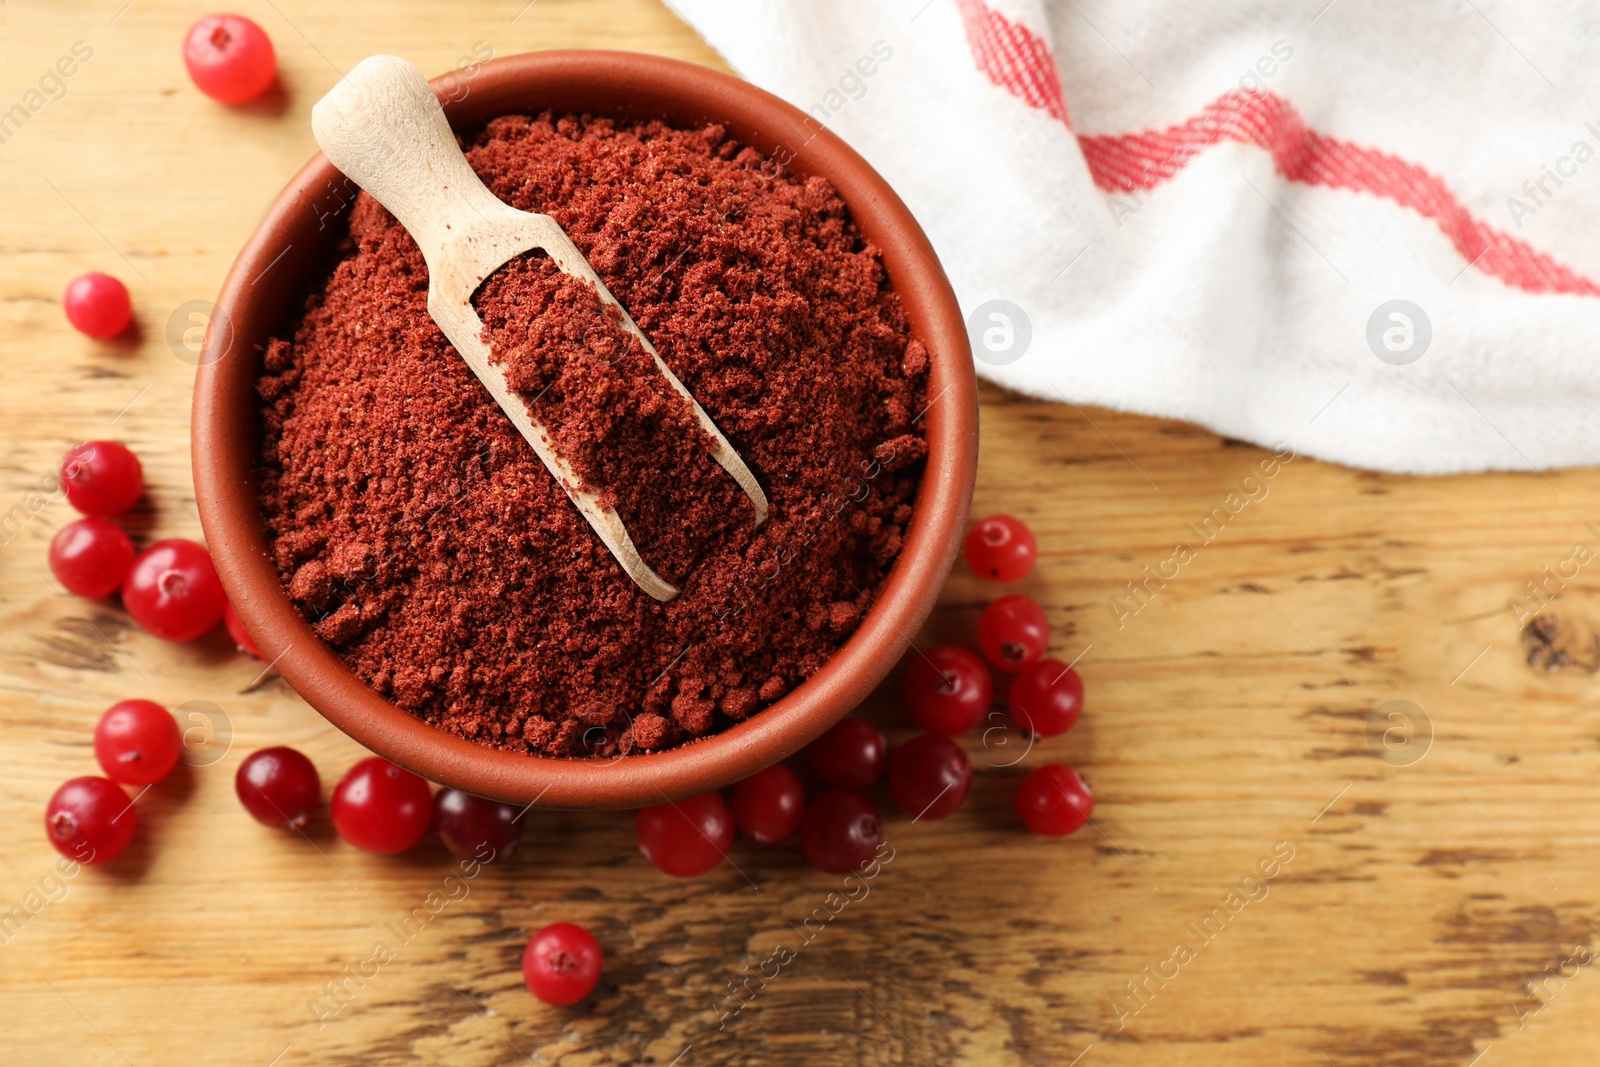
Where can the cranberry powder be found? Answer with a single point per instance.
(427, 544)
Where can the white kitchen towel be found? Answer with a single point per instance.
(1366, 229)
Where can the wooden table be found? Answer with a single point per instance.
(1436, 905)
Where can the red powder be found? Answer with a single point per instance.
(430, 548)
(609, 412)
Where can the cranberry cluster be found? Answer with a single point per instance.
(382, 808)
(91, 819)
(377, 806)
(1045, 696)
(947, 691)
(171, 589)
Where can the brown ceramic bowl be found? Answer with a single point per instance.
(291, 244)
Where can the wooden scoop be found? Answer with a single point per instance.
(383, 127)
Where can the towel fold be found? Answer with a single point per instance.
(1366, 230)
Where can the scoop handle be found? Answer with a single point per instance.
(383, 127)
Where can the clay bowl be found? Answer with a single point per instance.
(302, 226)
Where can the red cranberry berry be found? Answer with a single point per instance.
(90, 557)
(102, 478)
(946, 690)
(380, 807)
(229, 58)
(1013, 631)
(98, 305)
(850, 755)
(1001, 548)
(841, 831)
(688, 837)
(1054, 801)
(137, 742)
(173, 591)
(1046, 697)
(475, 827)
(90, 820)
(561, 964)
(768, 805)
(929, 776)
(241, 637)
(279, 787)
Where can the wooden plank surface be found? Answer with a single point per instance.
(1431, 903)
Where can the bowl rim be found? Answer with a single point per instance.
(225, 438)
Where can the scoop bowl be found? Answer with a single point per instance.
(292, 243)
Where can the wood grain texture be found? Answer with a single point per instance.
(1439, 903)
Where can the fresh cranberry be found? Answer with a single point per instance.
(90, 557)
(1054, 800)
(279, 787)
(380, 807)
(1013, 631)
(229, 58)
(1001, 548)
(102, 478)
(1046, 697)
(241, 637)
(850, 755)
(173, 591)
(90, 820)
(686, 838)
(946, 690)
(841, 831)
(929, 776)
(561, 964)
(768, 805)
(98, 305)
(475, 827)
(137, 742)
